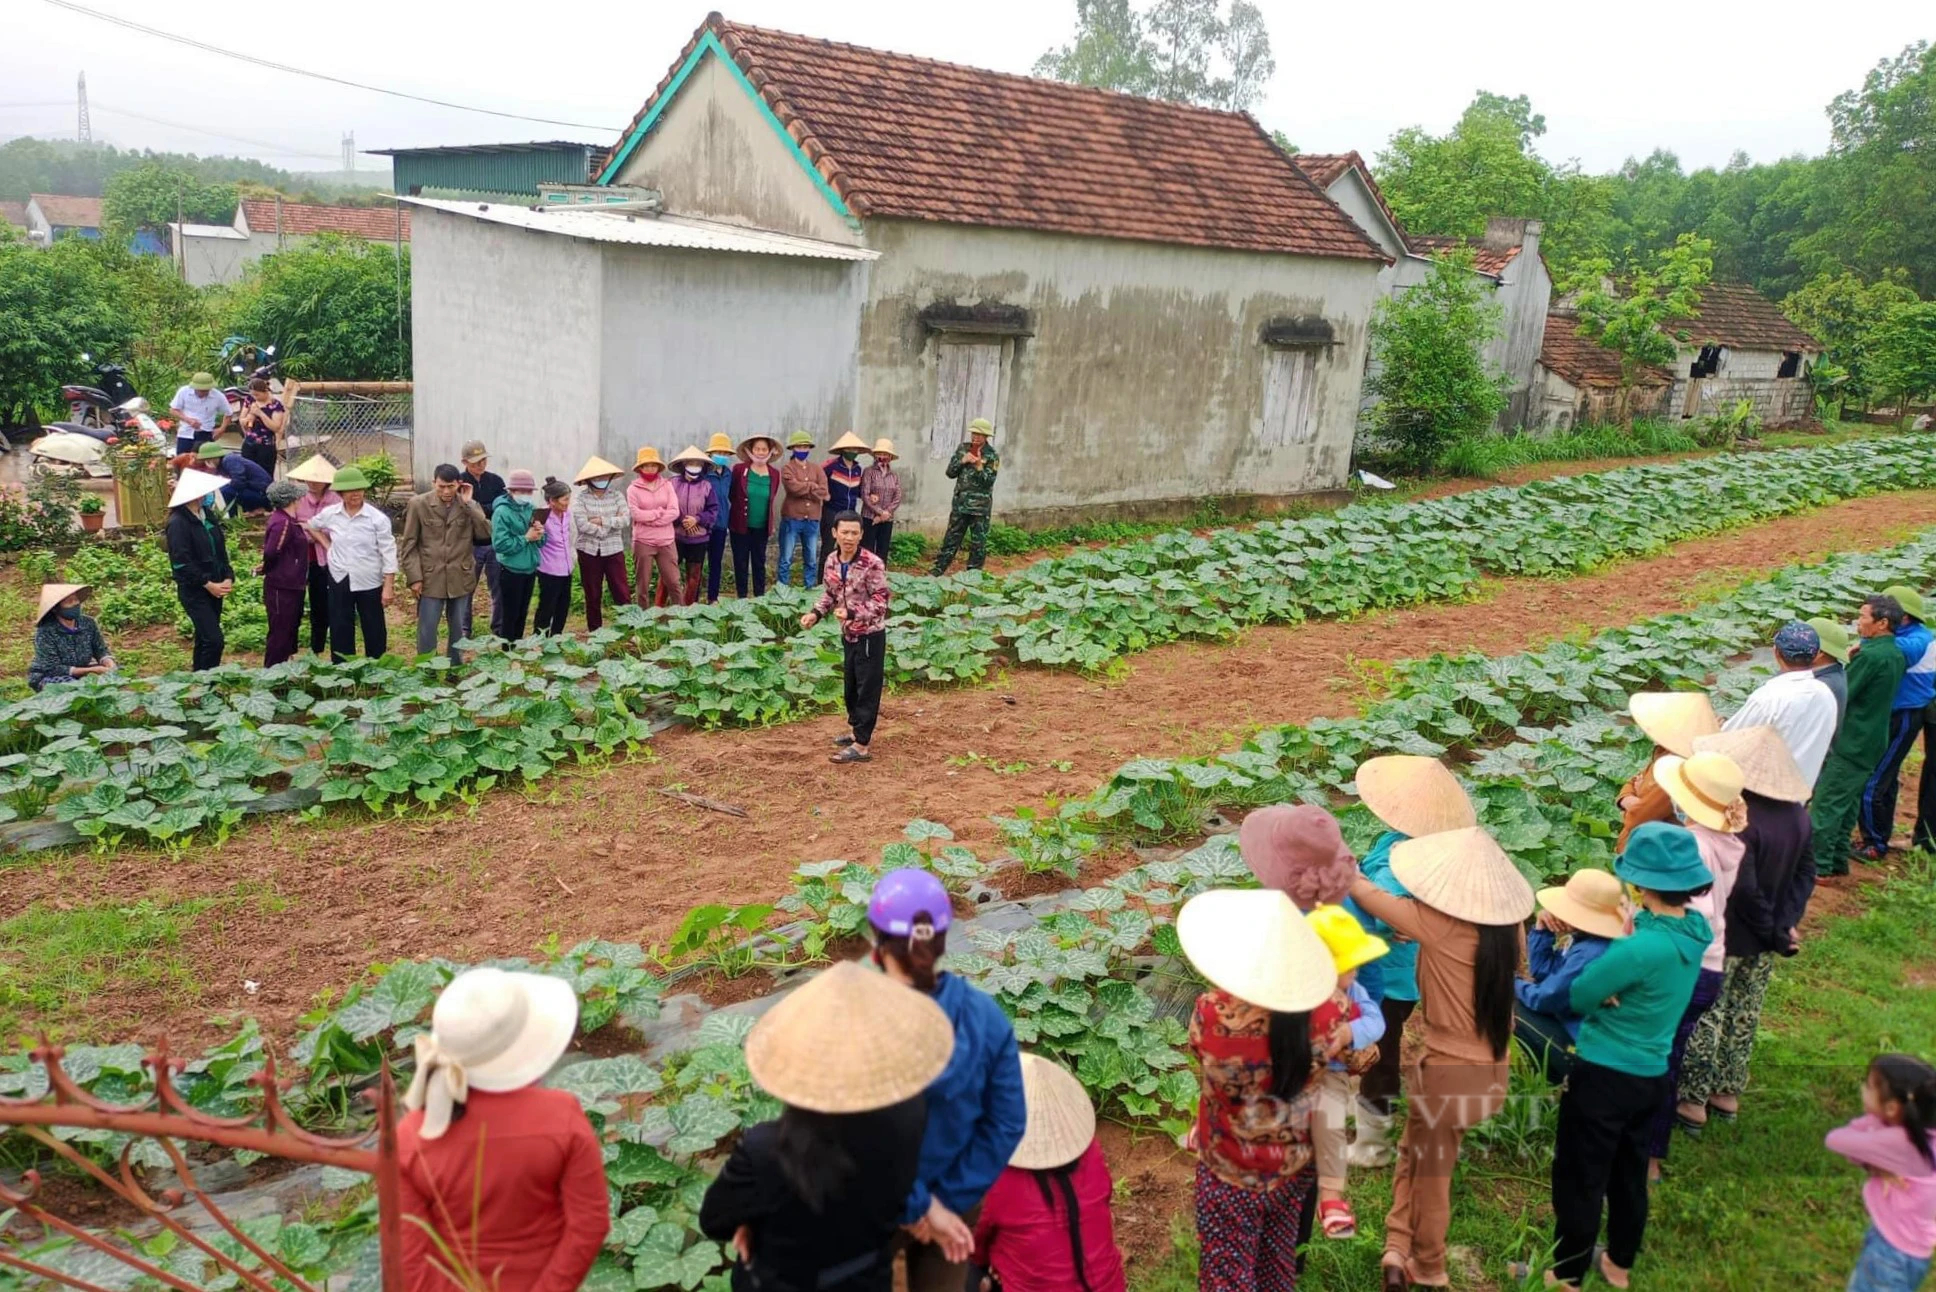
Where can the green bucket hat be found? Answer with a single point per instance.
(1910, 599)
(1664, 858)
(350, 478)
(1834, 638)
(982, 426)
(800, 440)
(202, 381)
(211, 451)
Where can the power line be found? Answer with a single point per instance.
(277, 149)
(250, 59)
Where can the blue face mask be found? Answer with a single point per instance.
(601, 485)
(801, 455)
(208, 500)
(69, 613)
(722, 459)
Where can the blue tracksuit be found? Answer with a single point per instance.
(1553, 974)
(975, 1111)
(1918, 685)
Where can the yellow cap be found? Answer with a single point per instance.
(1350, 946)
(720, 443)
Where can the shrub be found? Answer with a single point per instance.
(1429, 384)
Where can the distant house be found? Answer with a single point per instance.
(493, 170)
(219, 253)
(14, 215)
(1579, 382)
(1741, 346)
(49, 215)
(1147, 298)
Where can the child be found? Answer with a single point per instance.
(1892, 1140)
(1346, 1031)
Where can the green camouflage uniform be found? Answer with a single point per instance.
(974, 501)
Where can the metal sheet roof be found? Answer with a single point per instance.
(472, 150)
(683, 232)
(210, 231)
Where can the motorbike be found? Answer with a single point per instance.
(95, 405)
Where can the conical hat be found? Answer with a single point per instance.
(1413, 795)
(52, 594)
(1767, 766)
(594, 468)
(1674, 719)
(1465, 874)
(1061, 1120)
(1256, 945)
(849, 441)
(888, 1043)
(884, 448)
(195, 484)
(691, 453)
(316, 469)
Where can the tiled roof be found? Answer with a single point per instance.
(1585, 362)
(909, 138)
(1487, 260)
(1738, 316)
(68, 212)
(14, 213)
(1325, 169)
(376, 223)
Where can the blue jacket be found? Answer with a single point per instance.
(1369, 1027)
(721, 479)
(1553, 974)
(1918, 685)
(1394, 974)
(975, 1111)
(246, 475)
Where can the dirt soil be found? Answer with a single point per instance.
(596, 852)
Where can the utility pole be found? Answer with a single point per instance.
(181, 240)
(85, 133)
(349, 155)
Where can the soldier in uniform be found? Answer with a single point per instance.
(973, 469)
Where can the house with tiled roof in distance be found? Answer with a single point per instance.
(52, 215)
(1506, 257)
(14, 216)
(219, 253)
(1579, 382)
(1149, 300)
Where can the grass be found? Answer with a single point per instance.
(1487, 456)
(1759, 1204)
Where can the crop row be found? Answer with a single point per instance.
(160, 759)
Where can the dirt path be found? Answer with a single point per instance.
(598, 852)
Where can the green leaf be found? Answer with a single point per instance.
(699, 1122)
(400, 996)
(598, 1080)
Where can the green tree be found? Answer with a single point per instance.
(1188, 51)
(331, 309)
(1485, 165)
(29, 165)
(1844, 313)
(1428, 383)
(1631, 316)
(1880, 196)
(151, 196)
(1904, 360)
(56, 303)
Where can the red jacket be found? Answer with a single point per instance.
(863, 592)
(1027, 1241)
(736, 521)
(540, 1206)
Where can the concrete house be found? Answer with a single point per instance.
(1741, 346)
(49, 215)
(1148, 299)
(1579, 382)
(219, 253)
(490, 171)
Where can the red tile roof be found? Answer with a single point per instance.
(1738, 316)
(14, 213)
(1487, 260)
(1324, 170)
(375, 223)
(68, 212)
(1585, 362)
(909, 138)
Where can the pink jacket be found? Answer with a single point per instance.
(863, 593)
(654, 507)
(1906, 1213)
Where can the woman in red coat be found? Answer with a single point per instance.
(503, 1181)
(754, 505)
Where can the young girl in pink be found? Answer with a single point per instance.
(1895, 1142)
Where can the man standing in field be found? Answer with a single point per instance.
(484, 488)
(1873, 677)
(200, 412)
(1913, 694)
(1794, 701)
(441, 531)
(973, 469)
(854, 588)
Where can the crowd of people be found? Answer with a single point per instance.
(935, 1148)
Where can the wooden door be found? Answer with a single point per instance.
(969, 385)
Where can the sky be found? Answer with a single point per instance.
(1704, 81)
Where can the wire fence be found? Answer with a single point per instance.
(345, 423)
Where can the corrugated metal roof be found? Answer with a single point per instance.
(209, 231)
(678, 231)
(464, 150)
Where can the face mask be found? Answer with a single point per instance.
(601, 485)
(208, 500)
(847, 456)
(522, 499)
(800, 455)
(69, 613)
(692, 472)
(722, 459)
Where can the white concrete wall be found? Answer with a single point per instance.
(1349, 192)
(214, 260)
(506, 328)
(1525, 294)
(1144, 380)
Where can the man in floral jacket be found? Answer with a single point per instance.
(854, 587)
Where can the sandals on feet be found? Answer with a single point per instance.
(1335, 1218)
(851, 755)
(841, 742)
(1719, 1113)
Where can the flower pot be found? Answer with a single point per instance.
(91, 521)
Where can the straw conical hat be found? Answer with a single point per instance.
(52, 594)
(849, 441)
(1589, 901)
(746, 445)
(1414, 796)
(316, 469)
(1256, 945)
(1465, 874)
(691, 453)
(1767, 766)
(1707, 786)
(195, 484)
(1674, 719)
(1061, 1120)
(884, 448)
(850, 1041)
(594, 468)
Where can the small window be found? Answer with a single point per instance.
(1791, 364)
(1290, 382)
(1706, 363)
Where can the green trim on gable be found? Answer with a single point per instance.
(709, 44)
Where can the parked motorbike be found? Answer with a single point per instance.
(94, 405)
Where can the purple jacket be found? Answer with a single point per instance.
(696, 498)
(285, 554)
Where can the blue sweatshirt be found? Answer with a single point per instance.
(721, 479)
(975, 1111)
(1369, 1027)
(1394, 974)
(1918, 685)
(1553, 974)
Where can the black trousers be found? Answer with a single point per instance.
(1600, 1158)
(554, 603)
(1379, 1086)
(1924, 835)
(319, 582)
(864, 670)
(517, 602)
(263, 455)
(749, 549)
(877, 536)
(205, 615)
(348, 610)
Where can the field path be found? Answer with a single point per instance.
(603, 853)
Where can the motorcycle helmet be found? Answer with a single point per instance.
(902, 894)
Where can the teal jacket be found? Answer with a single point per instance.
(1652, 971)
(510, 521)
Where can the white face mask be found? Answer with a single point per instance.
(522, 498)
(601, 485)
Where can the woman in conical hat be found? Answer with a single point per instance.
(1673, 720)
(1467, 913)
(199, 553)
(601, 529)
(68, 645)
(880, 498)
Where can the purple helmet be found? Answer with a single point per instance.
(901, 895)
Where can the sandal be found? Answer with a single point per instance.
(1690, 1126)
(851, 755)
(841, 742)
(1335, 1218)
(1521, 1272)
(1723, 1114)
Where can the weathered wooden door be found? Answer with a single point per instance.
(1290, 381)
(969, 386)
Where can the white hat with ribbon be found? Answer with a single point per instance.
(491, 1030)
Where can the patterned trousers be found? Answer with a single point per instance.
(1248, 1240)
(975, 528)
(1723, 1041)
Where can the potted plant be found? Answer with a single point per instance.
(141, 479)
(94, 512)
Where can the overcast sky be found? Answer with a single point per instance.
(1612, 80)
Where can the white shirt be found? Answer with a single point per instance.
(363, 547)
(1799, 706)
(207, 405)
